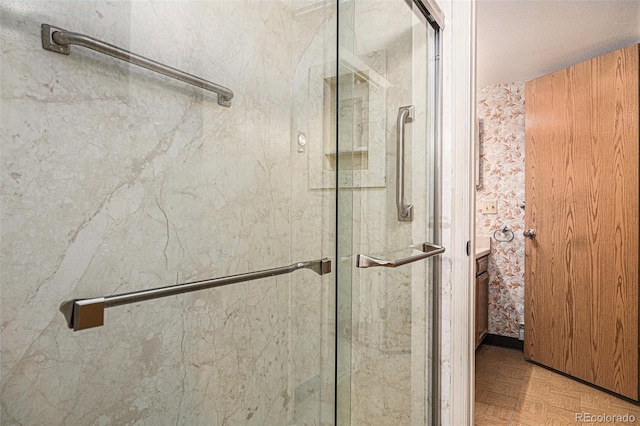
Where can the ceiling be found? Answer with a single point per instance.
(519, 40)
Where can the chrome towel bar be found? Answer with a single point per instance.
(429, 250)
(58, 40)
(88, 313)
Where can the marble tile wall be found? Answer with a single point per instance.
(313, 219)
(116, 179)
(502, 159)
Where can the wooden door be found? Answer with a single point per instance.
(581, 280)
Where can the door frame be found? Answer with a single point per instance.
(454, 339)
(457, 292)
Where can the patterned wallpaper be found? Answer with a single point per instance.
(502, 161)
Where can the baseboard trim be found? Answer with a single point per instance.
(610, 392)
(503, 341)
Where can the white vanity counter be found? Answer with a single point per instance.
(483, 246)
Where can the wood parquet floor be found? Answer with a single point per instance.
(511, 391)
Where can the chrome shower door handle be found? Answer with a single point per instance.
(405, 211)
(429, 250)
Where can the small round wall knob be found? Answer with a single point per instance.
(529, 233)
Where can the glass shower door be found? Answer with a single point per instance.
(117, 179)
(387, 115)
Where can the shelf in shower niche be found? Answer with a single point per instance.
(360, 150)
(356, 159)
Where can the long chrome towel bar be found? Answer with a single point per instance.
(89, 313)
(429, 250)
(59, 41)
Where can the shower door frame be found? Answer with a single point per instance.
(433, 15)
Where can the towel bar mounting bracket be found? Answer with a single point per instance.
(49, 44)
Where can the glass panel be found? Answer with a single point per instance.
(117, 179)
(344, 217)
(393, 64)
(312, 218)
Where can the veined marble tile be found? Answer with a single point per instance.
(116, 179)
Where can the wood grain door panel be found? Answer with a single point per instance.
(581, 270)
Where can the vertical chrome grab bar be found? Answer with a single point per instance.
(405, 211)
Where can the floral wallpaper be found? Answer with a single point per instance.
(501, 108)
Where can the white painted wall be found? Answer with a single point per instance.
(523, 39)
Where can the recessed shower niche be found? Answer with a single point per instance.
(360, 93)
